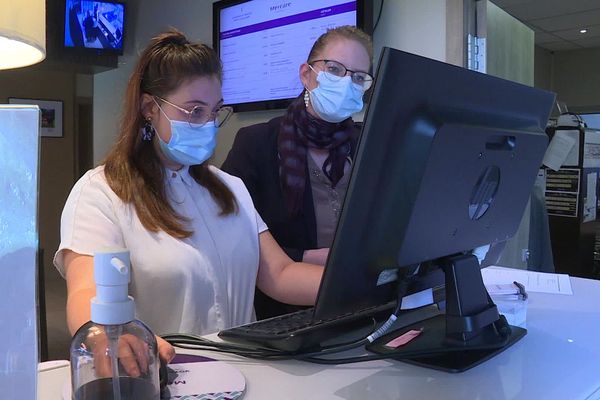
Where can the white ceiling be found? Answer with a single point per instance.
(557, 22)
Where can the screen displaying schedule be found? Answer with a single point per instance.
(263, 42)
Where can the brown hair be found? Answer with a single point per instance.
(132, 168)
(341, 32)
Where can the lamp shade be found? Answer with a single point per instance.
(22, 32)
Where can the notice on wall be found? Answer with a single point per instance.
(562, 150)
(591, 149)
(562, 191)
(589, 203)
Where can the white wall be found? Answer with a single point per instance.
(414, 26)
(417, 26)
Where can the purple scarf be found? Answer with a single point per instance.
(299, 131)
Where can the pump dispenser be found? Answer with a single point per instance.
(114, 356)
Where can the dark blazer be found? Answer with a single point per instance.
(254, 158)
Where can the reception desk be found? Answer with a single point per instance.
(557, 359)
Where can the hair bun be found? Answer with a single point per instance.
(173, 36)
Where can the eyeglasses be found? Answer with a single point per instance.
(339, 70)
(200, 115)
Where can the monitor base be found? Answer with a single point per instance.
(432, 349)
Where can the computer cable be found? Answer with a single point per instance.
(501, 325)
(194, 342)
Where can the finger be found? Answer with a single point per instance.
(99, 348)
(166, 352)
(128, 359)
(140, 351)
(102, 362)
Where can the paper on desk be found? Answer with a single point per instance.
(540, 282)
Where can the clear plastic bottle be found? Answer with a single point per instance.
(114, 356)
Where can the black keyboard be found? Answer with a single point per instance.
(280, 324)
(299, 331)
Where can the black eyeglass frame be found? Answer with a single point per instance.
(367, 83)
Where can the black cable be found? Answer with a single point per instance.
(378, 16)
(372, 357)
(194, 342)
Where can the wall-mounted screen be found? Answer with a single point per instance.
(95, 25)
(591, 120)
(263, 42)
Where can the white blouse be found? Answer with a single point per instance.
(197, 285)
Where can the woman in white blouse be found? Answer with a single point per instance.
(197, 245)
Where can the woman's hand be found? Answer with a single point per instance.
(132, 353)
(166, 352)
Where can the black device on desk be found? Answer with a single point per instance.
(446, 162)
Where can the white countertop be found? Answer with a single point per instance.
(557, 359)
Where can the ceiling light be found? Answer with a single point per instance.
(583, 31)
(22, 33)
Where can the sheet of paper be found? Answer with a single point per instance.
(589, 207)
(591, 149)
(540, 282)
(563, 150)
(419, 299)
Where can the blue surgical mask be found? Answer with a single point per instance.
(335, 98)
(190, 144)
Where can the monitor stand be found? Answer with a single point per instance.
(470, 332)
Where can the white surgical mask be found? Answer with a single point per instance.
(335, 98)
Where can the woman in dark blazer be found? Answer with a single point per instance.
(296, 167)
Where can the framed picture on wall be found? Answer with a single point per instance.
(52, 115)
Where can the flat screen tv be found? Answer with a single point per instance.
(591, 120)
(95, 25)
(263, 42)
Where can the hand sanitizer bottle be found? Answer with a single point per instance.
(114, 356)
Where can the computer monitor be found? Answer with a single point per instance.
(446, 163)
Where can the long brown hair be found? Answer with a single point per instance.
(133, 168)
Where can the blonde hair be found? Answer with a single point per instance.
(341, 32)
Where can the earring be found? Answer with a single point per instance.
(306, 98)
(148, 130)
